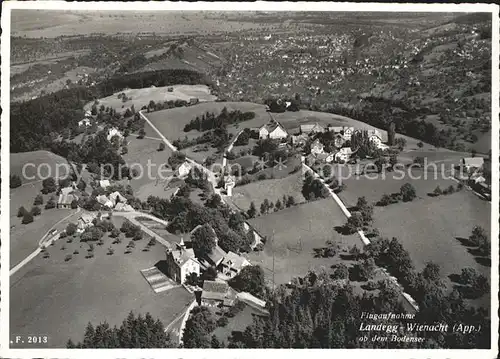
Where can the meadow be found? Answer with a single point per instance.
(293, 234)
(142, 97)
(271, 189)
(144, 154)
(431, 229)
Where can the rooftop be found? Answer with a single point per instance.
(182, 255)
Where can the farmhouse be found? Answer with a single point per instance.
(338, 140)
(375, 137)
(181, 262)
(272, 129)
(344, 131)
(104, 200)
(472, 163)
(217, 294)
(104, 183)
(84, 123)
(232, 265)
(66, 197)
(325, 157)
(343, 154)
(85, 220)
(116, 198)
(311, 128)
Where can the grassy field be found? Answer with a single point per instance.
(171, 122)
(48, 295)
(24, 238)
(272, 189)
(37, 23)
(141, 97)
(39, 164)
(297, 232)
(430, 230)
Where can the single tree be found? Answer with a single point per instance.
(408, 192)
(36, 211)
(252, 211)
(15, 181)
(27, 218)
(38, 200)
(21, 212)
(71, 229)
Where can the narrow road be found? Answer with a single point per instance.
(167, 142)
(229, 149)
(44, 242)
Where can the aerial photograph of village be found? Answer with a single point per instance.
(250, 179)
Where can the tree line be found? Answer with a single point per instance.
(209, 121)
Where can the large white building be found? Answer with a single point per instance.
(273, 130)
(114, 132)
(181, 262)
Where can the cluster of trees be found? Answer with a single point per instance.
(474, 285)
(158, 106)
(198, 179)
(131, 230)
(251, 280)
(134, 332)
(318, 311)
(218, 138)
(204, 241)
(407, 193)
(266, 205)
(361, 217)
(92, 234)
(28, 217)
(313, 188)
(184, 215)
(49, 185)
(280, 105)
(479, 239)
(210, 121)
(245, 136)
(268, 150)
(449, 190)
(200, 324)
